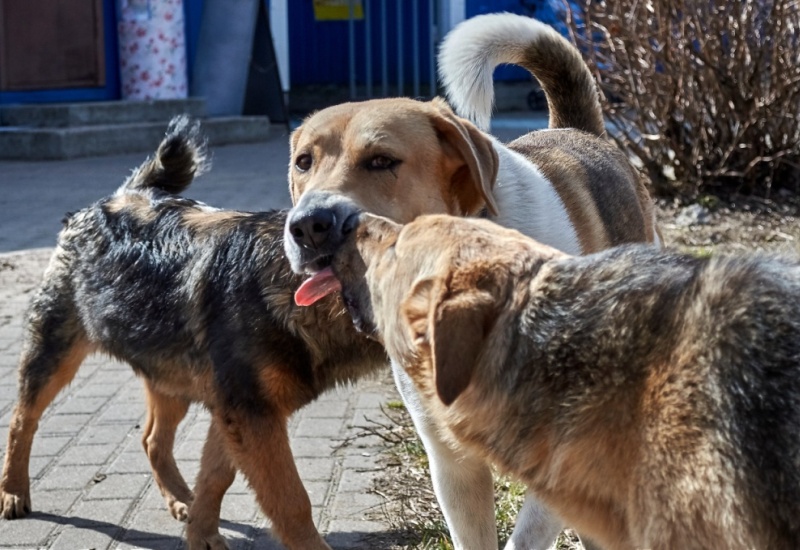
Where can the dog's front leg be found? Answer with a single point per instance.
(164, 414)
(462, 483)
(536, 527)
(258, 442)
(216, 475)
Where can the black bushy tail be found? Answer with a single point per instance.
(181, 156)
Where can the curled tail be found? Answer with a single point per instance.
(472, 50)
(180, 157)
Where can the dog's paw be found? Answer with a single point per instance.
(210, 542)
(179, 509)
(15, 506)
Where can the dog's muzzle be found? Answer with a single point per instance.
(316, 228)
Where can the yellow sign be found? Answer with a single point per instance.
(337, 10)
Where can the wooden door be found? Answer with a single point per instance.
(48, 44)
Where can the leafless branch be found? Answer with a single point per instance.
(704, 93)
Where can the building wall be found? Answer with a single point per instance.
(319, 50)
(540, 9)
(111, 91)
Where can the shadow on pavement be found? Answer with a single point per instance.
(147, 540)
(375, 540)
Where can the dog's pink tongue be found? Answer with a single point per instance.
(317, 287)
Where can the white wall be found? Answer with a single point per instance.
(279, 22)
(451, 13)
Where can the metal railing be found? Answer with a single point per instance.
(419, 51)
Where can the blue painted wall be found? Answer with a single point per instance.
(193, 14)
(540, 9)
(318, 50)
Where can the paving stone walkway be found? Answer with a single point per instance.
(91, 482)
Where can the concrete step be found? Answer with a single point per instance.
(31, 143)
(65, 115)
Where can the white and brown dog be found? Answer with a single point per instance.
(568, 187)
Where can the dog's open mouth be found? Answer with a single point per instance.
(323, 283)
(316, 287)
(317, 263)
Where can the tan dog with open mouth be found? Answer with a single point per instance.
(649, 398)
(568, 187)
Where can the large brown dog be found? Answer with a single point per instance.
(199, 302)
(568, 187)
(651, 399)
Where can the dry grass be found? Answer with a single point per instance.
(410, 505)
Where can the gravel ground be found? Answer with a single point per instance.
(735, 225)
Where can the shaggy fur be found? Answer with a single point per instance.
(199, 301)
(649, 398)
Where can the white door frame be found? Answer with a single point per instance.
(279, 23)
(451, 13)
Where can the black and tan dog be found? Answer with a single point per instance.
(651, 399)
(199, 301)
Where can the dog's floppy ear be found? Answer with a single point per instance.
(473, 182)
(460, 326)
(455, 328)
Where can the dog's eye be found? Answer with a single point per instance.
(382, 162)
(303, 162)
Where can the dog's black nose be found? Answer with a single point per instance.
(312, 229)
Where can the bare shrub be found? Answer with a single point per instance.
(705, 93)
